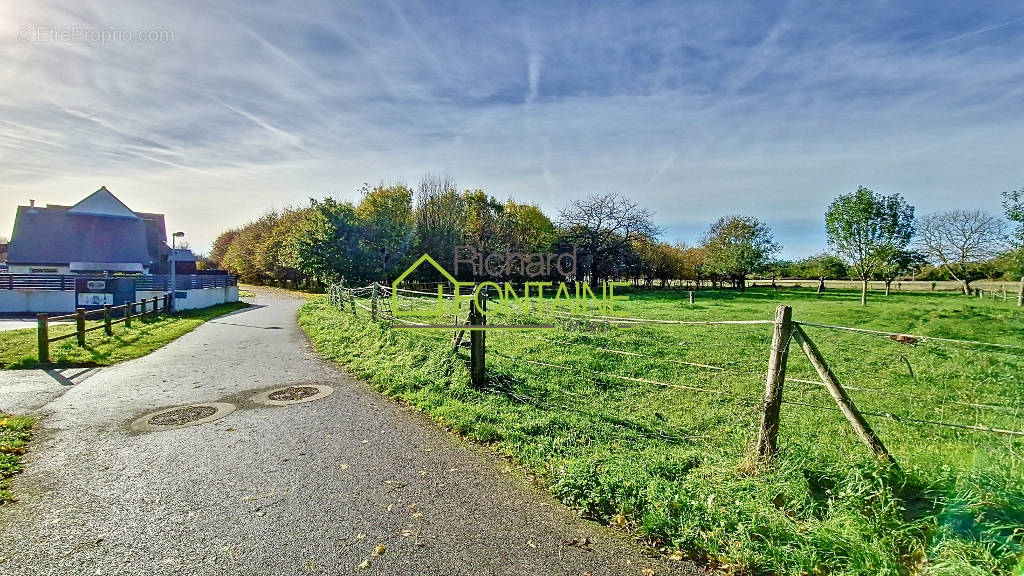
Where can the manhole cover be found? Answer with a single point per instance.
(182, 416)
(295, 394)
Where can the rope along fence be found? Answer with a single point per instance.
(985, 415)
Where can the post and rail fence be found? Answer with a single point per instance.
(153, 307)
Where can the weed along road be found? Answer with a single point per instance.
(346, 482)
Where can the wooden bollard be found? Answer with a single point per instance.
(128, 314)
(80, 325)
(108, 328)
(44, 338)
(373, 302)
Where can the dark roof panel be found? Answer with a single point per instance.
(54, 236)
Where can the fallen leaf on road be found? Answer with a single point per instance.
(364, 564)
(406, 533)
(583, 544)
(379, 551)
(360, 536)
(343, 467)
(647, 572)
(531, 544)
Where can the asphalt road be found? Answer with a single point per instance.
(316, 488)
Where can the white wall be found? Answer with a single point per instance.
(202, 298)
(35, 301)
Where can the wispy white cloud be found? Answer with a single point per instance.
(694, 110)
(533, 71)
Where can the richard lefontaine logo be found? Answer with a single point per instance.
(544, 299)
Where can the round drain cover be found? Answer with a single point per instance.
(295, 394)
(183, 416)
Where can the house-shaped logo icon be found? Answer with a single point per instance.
(440, 290)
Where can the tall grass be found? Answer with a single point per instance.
(658, 442)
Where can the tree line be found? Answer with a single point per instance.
(870, 237)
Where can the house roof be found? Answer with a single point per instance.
(57, 235)
(103, 203)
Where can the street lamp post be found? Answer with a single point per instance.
(174, 285)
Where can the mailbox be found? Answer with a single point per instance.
(93, 293)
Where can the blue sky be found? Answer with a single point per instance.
(693, 109)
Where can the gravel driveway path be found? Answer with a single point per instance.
(350, 483)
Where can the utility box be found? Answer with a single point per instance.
(93, 293)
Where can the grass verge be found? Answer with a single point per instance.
(18, 348)
(15, 432)
(671, 463)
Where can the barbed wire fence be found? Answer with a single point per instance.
(987, 416)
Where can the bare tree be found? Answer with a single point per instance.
(440, 220)
(605, 227)
(958, 239)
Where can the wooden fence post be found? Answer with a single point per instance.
(80, 325)
(860, 426)
(767, 439)
(156, 308)
(352, 301)
(107, 327)
(691, 296)
(1020, 292)
(373, 302)
(44, 339)
(477, 341)
(128, 314)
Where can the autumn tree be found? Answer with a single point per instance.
(867, 229)
(387, 222)
(220, 247)
(737, 246)
(242, 258)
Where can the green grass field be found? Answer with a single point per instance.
(667, 454)
(15, 432)
(19, 348)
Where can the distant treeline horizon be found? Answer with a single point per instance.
(871, 237)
